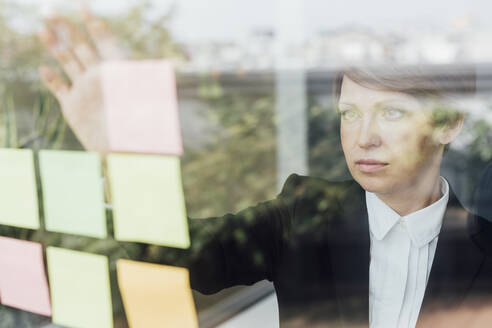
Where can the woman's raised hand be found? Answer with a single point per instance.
(80, 51)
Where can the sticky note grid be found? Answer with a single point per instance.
(147, 201)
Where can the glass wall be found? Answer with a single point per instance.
(356, 99)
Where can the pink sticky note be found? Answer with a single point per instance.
(23, 283)
(141, 108)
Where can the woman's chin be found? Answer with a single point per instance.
(373, 184)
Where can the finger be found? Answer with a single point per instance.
(86, 54)
(54, 82)
(59, 49)
(79, 45)
(72, 67)
(47, 37)
(106, 43)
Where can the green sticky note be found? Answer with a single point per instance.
(73, 192)
(148, 201)
(80, 290)
(18, 192)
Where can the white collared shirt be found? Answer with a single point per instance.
(402, 251)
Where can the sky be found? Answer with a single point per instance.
(225, 20)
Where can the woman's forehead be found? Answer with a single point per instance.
(361, 95)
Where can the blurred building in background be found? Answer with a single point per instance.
(349, 45)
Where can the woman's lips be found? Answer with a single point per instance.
(370, 165)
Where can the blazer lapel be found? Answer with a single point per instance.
(456, 262)
(349, 253)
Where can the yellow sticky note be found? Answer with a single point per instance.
(80, 290)
(156, 295)
(73, 194)
(148, 201)
(18, 193)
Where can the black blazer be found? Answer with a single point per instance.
(312, 242)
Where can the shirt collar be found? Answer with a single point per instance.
(422, 225)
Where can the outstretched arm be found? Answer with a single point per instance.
(237, 249)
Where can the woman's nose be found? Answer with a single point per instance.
(369, 134)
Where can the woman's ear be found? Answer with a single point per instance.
(447, 133)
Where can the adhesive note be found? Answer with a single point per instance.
(156, 295)
(80, 290)
(23, 283)
(148, 201)
(73, 192)
(140, 105)
(18, 193)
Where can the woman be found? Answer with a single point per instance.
(357, 252)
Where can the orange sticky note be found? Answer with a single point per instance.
(156, 295)
(23, 283)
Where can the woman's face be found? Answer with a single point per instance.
(386, 138)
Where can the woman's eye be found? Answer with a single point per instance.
(392, 113)
(349, 114)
